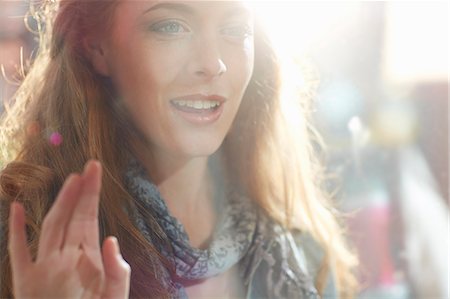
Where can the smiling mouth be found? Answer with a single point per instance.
(196, 106)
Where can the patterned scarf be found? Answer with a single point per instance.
(240, 236)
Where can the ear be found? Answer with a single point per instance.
(97, 53)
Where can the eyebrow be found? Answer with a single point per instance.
(174, 6)
(235, 10)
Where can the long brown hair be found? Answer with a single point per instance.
(62, 93)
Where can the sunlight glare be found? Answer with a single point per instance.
(297, 26)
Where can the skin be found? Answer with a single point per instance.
(156, 52)
(69, 247)
(209, 50)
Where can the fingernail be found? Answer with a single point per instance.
(86, 166)
(90, 164)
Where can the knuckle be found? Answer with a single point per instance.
(83, 225)
(89, 216)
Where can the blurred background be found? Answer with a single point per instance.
(379, 75)
(379, 71)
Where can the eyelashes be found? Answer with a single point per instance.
(169, 27)
(176, 28)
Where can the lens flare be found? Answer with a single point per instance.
(55, 139)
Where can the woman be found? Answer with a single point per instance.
(197, 176)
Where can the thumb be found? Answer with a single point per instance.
(117, 271)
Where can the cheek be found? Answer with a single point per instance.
(240, 66)
(162, 63)
(145, 74)
(144, 80)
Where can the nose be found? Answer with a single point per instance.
(211, 68)
(207, 62)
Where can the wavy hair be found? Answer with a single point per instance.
(271, 158)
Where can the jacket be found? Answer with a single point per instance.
(283, 264)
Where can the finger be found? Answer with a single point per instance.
(117, 271)
(83, 225)
(56, 222)
(91, 275)
(18, 248)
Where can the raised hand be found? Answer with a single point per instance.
(69, 262)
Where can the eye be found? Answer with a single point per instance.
(238, 31)
(169, 27)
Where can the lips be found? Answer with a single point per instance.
(199, 109)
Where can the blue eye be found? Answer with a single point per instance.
(168, 27)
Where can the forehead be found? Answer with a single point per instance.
(211, 8)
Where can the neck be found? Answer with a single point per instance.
(187, 189)
(184, 183)
(187, 186)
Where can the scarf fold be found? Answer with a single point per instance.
(237, 238)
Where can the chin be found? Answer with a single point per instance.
(199, 150)
(199, 147)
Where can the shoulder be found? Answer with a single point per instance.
(313, 254)
(282, 263)
(276, 266)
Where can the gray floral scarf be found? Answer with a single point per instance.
(242, 236)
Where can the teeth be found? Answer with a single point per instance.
(197, 104)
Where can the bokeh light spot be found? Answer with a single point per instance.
(55, 139)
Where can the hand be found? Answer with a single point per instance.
(69, 262)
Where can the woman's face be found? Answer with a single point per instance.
(181, 68)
